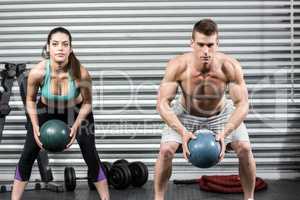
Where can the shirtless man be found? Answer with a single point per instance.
(203, 76)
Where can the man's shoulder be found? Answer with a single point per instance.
(181, 58)
(179, 62)
(227, 60)
(229, 65)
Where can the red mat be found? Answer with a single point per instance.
(227, 184)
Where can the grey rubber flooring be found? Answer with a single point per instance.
(277, 190)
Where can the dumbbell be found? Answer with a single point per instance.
(70, 177)
(122, 174)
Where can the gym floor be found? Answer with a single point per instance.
(277, 190)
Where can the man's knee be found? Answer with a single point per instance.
(243, 150)
(167, 152)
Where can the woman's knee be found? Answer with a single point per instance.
(96, 173)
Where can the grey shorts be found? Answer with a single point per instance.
(214, 123)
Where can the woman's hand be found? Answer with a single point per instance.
(73, 133)
(36, 134)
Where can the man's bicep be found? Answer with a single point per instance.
(168, 86)
(238, 92)
(168, 90)
(237, 87)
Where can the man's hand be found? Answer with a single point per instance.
(185, 139)
(220, 138)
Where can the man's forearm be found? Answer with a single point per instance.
(236, 118)
(170, 118)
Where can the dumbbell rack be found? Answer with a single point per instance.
(120, 175)
(10, 71)
(35, 185)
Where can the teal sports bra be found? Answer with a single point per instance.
(73, 91)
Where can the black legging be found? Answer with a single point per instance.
(85, 138)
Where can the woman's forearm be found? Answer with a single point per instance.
(85, 109)
(32, 112)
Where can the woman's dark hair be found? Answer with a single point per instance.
(73, 62)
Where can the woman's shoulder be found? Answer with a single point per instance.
(40, 66)
(38, 71)
(84, 73)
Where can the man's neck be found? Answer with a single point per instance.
(203, 68)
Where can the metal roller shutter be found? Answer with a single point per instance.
(126, 44)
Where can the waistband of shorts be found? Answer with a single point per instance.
(228, 102)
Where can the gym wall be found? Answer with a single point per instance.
(125, 44)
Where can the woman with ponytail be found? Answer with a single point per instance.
(66, 94)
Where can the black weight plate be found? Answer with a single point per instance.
(139, 173)
(70, 178)
(120, 176)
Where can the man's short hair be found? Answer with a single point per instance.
(206, 26)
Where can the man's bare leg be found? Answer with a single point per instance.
(247, 168)
(163, 169)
